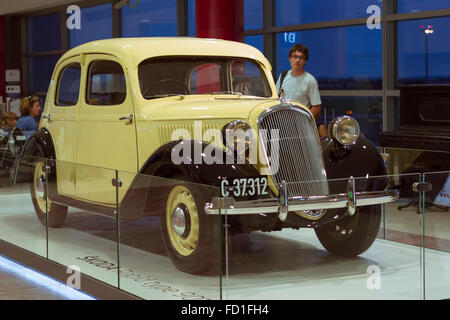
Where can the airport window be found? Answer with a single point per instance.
(339, 58)
(423, 51)
(404, 6)
(96, 24)
(40, 72)
(255, 41)
(191, 18)
(253, 17)
(150, 18)
(44, 33)
(292, 12)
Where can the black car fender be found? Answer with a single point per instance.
(360, 159)
(160, 173)
(40, 144)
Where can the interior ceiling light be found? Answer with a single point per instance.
(119, 4)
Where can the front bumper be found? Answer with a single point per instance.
(350, 200)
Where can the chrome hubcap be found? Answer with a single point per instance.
(179, 221)
(39, 187)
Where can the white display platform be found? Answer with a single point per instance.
(292, 263)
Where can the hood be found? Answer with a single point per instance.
(202, 108)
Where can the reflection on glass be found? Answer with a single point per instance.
(41, 69)
(149, 19)
(436, 240)
(289, 12)
(368, 111)
(169, 247)
(85, 237)
(96, 24)
(255, 41)
(191, 18)
(291, 262)
(202, 75)
(419, 5)
(44, 33)
(423, 57)
(253, 14)
(339, 58)
(22, 203)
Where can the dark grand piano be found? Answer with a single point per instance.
(424, 119)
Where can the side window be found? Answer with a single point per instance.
(69, 86)
(106, 84)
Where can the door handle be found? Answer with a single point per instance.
(46, 116)
(129, 118)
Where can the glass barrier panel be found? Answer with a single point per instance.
(403, 161)
(22, 201)
(83, 234)
(311, 253)
(437, 236)
(169, 246)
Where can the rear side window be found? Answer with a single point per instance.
(106, 84)
(69, 86)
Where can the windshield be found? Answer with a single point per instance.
(166, 76)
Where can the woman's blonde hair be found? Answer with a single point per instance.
(26, 104)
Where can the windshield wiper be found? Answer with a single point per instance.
(228, 92)
(165, 96)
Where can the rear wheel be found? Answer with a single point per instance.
(352, 235)
(189, 235)
(47, 211)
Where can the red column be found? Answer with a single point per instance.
(221, 19)
(2, 58)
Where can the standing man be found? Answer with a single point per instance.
(301, 86)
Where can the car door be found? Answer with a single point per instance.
(107, 131)
(60, 118)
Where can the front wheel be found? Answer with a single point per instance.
(47, 211)
(189, 235)
(352, 235)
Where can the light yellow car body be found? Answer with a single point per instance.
(99, 143)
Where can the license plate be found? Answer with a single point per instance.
(242, 187)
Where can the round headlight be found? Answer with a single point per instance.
(344, 129)
(238, 136)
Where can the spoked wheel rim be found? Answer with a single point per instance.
(182, 220)
(39, 187)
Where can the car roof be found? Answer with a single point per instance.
(135, 50)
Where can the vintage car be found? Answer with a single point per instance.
(181, 120)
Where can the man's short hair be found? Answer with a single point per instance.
(301, 48)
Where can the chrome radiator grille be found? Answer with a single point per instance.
(300, 161)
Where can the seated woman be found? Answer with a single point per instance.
(29, 109)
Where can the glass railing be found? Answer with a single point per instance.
(436, 240)
(154, 237)
(169, 247)
(373, 252)
(146, 235)
(21, 224)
